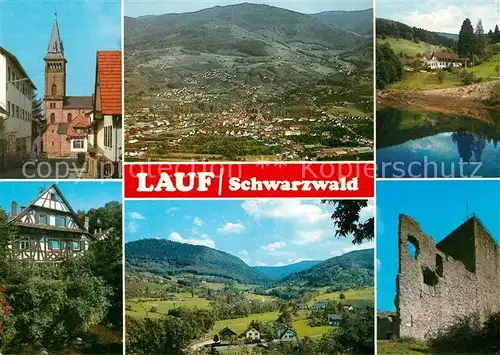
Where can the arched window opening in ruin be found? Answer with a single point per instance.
(439, 265)
(412, 245)
(430, 277)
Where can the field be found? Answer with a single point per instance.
(425, 81)
(300, 321)
(410, 48)
(142, 309)
(489, 68)
(401, 347)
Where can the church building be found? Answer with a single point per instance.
(67, 117)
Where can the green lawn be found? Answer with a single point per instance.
(139, 309)
(425, 81)
(402, 347)
(487, 69)
(300, 324)
(410, 48)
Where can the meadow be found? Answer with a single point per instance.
(410, 48)
(141, 308)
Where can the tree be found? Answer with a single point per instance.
(389, 68)
(479, 28)
(342, 296)
(216, 339)
(356, 331)
(466, 39)
(347, 220)
(441, 76)
(285, 315)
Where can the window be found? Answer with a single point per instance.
(52, 196)
(78, 144)
(54, 89)
(75, 245)
(70, 117)
(42, 219)
(55, 245)
(108, 137)
(17, 111)
(52, 117)
(412, 245)
(24, 244)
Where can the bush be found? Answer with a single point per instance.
(153, 309)
(469, 336)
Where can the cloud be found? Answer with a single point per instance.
(198, 221)
(274, 246)
(341, 251)
(232, 228)
(132, 227)
(448, 17)
(171, 210)
(176, 237)
(294, 210)
(244, 256)
(368, 211)
(306, 237)
(136, 215)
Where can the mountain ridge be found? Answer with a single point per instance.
(165, 257)
(278, 272)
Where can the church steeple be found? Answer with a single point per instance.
(56, 47)
(55, 67)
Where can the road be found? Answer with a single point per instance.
(60, 168)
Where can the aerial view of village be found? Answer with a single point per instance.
(438, 89)
(249, 277)
(61, 268)
(249, 82)
(60, 106)
(438, 273)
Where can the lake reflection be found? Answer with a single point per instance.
(423, 144)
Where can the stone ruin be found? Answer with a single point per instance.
(439, 283)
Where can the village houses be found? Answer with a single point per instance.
(16, 94)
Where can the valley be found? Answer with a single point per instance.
(166, 279)
(249, 82)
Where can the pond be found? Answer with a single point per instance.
(419, 144)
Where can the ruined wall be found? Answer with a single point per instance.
(434, 288)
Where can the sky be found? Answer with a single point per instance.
(80, 195)
(439, 206)
(440, 16)
(135, 8)
(85, 27)
(260, 232)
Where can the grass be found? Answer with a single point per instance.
(410, 48)
(402, 347)
(139, 309)
(425, 81)
(487, 69)
(300, 324)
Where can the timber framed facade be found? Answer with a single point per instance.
(49, 229)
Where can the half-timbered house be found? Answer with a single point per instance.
(49, 230)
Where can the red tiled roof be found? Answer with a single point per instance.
(79, 122)
(109, 68)
(443, 55)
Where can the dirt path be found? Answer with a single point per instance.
(470, 100)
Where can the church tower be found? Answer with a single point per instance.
(55, 71)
